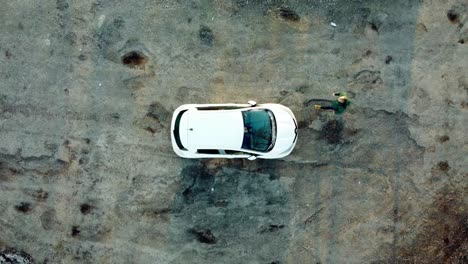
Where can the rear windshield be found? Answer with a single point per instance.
(259, 129)
(177, 132)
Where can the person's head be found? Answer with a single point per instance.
(342, 99)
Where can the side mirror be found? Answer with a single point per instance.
(252, 103)
(252, 157)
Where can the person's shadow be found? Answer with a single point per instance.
(316, 101)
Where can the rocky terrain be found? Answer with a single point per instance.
(87, 170)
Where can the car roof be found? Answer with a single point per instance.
(214, 129)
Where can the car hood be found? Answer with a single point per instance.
(212, 129)
(286, 131)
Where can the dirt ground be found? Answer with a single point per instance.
(88, 174)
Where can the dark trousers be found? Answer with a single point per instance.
(328, 108)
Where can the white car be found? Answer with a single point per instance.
(267, 131)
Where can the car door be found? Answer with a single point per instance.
(219, 153)
(236, 154)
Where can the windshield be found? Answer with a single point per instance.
(259, 129)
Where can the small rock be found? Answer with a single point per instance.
(63, 154)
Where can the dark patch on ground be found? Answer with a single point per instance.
(332, 132)
(115, 116)
(376, 20)
(453, 16)
(44, 166)
(162, 211)
(443, 166)
(443, 236)
(367, 79)
(8, 55)
(200, 181)
(388, 59)
(288, 14)
(134, 59)
(313, 216)
(303, 88)
(374, 26)
(160, 214)
(204, 235)
(13, 256)
(118, 22)
(270, 167)
(156, 118)
(82, 57)
(335, 51)
(63, 18)
(40, 195)
(133, 54)
(150, 129)
(86, 208)
(461, 41)
(444, 138)
(206, 35)
(216, 195)
(421, 27)
(221, 203)
(272, 228)
(23, 207)
(75, 231)
(157, 111)
(349, 131)
(303, 124)
(8, 170)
